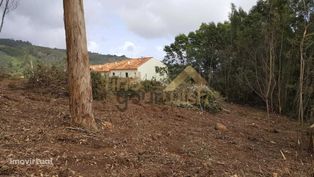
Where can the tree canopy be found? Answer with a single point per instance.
(254, 57)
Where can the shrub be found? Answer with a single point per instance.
(151, 85)
(99, 86)
(201, 97)
(48, 78)
(52, 79)
(210, 100)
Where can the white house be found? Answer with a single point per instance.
(140, 68)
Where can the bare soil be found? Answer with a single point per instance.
(145, 140)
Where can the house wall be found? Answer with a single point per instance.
(148, 70)
(104, 74)
(122, 73)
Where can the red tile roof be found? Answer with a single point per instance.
(130, 64)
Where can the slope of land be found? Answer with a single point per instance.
(16, 55)
(145, 140)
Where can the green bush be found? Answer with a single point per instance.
(48, 79)
(99, 86)
(52, 79)
(151, 85)
(200, 97)
(210, 100)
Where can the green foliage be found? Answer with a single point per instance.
(48, 79)
(193, 96)
(52, 79)
(151, 85)
(210, 101)
(96, 58)
(99, 86)
(236, 56)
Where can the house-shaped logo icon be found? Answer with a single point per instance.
(186, 73)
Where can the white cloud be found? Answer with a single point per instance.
(162, 18)
(39, 22)
(128, 46)
(93, 46)
(129, 49)
(148, 23)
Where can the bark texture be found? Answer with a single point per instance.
(78, 65)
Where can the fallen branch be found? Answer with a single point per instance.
(283, 155)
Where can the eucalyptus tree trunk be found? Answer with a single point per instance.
(270, 74)
(301, 77)
(78, 65)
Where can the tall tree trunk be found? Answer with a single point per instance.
(78, 65)
(279, 74)
(269, 90)
(301, 77)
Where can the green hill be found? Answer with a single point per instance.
(16, 56)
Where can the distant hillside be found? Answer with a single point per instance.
(16, 56)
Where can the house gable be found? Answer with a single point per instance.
(148, 70)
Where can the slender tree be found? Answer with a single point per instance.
(6, 6)
(78, 65)
(306, 12)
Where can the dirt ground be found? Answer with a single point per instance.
(145, 141)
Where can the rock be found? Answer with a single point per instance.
(275, 174)
(221, 127)
(107, 125)
(254, 125)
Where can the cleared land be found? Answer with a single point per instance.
(146, 140)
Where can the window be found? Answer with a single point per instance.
(113, 74)
(126, 74)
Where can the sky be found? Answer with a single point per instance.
(135, 28)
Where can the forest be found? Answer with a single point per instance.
(264, 57)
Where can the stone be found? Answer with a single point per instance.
(221, 127)
(107, 125)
